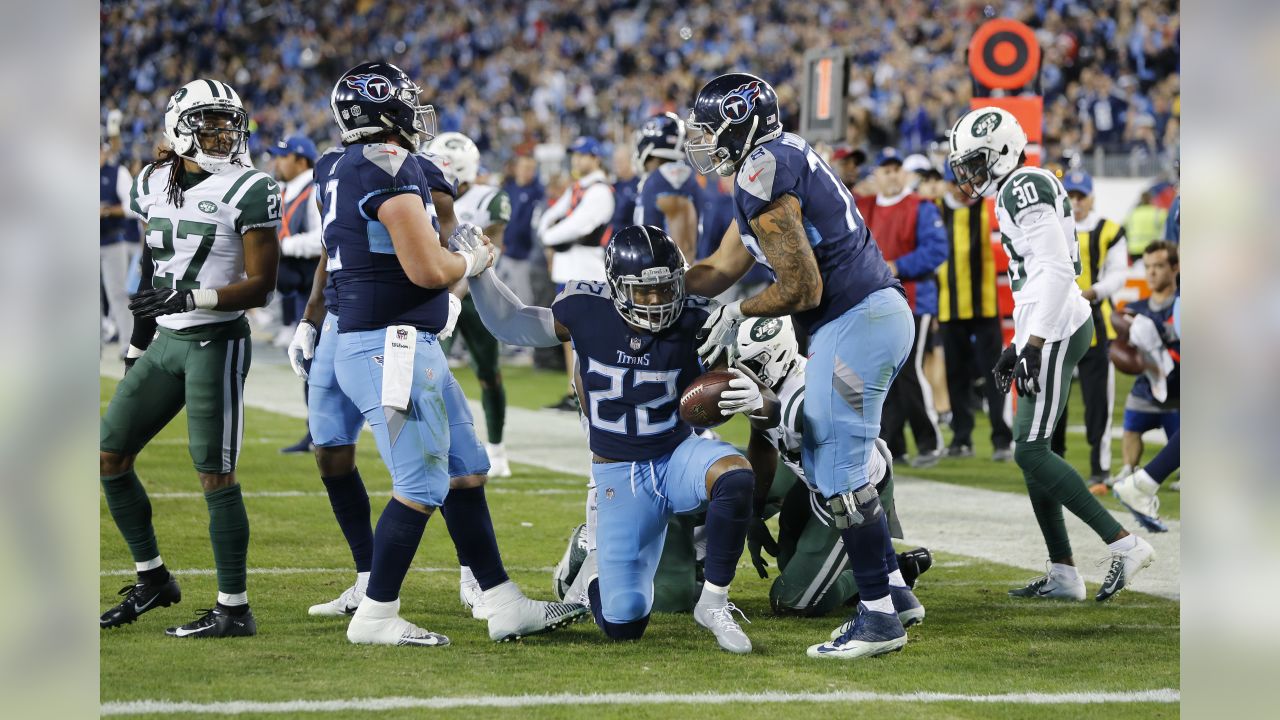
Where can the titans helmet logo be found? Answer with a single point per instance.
(373, 87)
(737, 105)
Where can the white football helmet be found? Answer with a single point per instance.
(205, 122)
(986, 145)
(459, 155)
(768, 348)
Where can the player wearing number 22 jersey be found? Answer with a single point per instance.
(635, 350)
(211, 237)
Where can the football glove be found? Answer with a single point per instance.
(719, 332)
(1026, 373)
(1003, 370)
(162, 301)
(759, 540)
(744, 397)
(455, 309)
(302, 347)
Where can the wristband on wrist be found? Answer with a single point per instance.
(205, 299)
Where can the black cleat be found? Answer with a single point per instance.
(217, 623)
(913, 564)
(568, 403)
(140, 598)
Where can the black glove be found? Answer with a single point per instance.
(1003, 371)
(162, 301)
(1027, 372)
(759, 538)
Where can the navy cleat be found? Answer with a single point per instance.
(905, 603)
(140, 598)
(872, 633)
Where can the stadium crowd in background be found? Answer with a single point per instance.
(512, 74)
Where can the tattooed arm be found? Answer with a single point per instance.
(779, 230)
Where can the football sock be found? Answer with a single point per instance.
(1124, 544)
(880, 605)
(229, 533)
(131, 509)
(614, 631)
(233, 600)
(493, 398)
(1167, 460)
(895, 579)
(1068, 572)
(362, 581)
(350, 503)
(711, 589)
(867, 546)
(466, 575)
(395, 542)
(466, 515)
(728, 514)
(1061, 483)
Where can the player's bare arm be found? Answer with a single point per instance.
(780, 232)
(763, 457)
(726, 266)
(444, 213)
(682, 222)
(261, 259)
(315, 311)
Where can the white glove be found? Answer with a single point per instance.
(466, 236)
(470, 243)
(290, 247)
(455, 309)
(302, 347)
(720, 331)
(745, 396)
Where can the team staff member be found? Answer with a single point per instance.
(300, 243)
(117, 239)
(526, 194)
(1104, 265)
(911, 236)
(576, 229)
(969, 320)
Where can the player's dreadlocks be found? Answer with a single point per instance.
(173, 188)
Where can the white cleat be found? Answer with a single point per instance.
(342, 606)
(566, 571)
(718, 618)
(577, 590)
(1124, 566)
(379, 623)
(1053, 585)
(1137, 492)
(473, 598)
(513, 616)
(499, 466)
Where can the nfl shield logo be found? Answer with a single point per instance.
(402, 334)
(608, 494)
(635, 344)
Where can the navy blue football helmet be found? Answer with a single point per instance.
(731, 115)
(645, 269)
(661, 136)
(374, 97)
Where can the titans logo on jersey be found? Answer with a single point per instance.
(850, 262)
(371, 288)
(631, 379)
(673, 178)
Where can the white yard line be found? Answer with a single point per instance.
(990, 525)
(236, 707)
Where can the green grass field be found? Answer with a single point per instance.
(975, 640)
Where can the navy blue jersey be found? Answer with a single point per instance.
(1163, 317)
(372, 289)
(631, 379)
(624, 207)
(849, 260)
(672, 178)
(436, 182)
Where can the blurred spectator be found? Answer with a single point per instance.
(118, 241)
(848, 163)
(626, 186)
(911, 237)
(1104, 267)
(527, 197)
(1145, 225)
(507, 72)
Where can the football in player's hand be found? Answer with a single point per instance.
(699, 404)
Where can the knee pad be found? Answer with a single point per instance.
(628, 604)
(856, 509)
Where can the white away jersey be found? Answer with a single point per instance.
(482, 206)
(199, 245)
(1039, 235)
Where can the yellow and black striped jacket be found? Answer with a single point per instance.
(1094, 245)
(967, 280)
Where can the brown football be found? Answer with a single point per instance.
(700, 402)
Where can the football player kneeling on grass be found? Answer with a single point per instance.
(635, 346)
(1052, 330)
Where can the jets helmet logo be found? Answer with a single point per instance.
(737, 105)
(373, 87)
(765, 329)
(986, 124)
